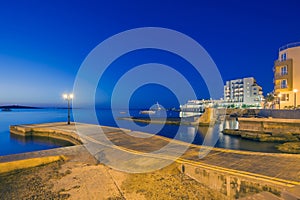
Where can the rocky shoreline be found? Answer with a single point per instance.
(287, 142)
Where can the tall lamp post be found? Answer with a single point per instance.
(295, 97)
(279, 98)
(68, 97)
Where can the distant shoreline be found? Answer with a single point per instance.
(19, 107)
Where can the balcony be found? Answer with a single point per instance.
(278, 87)
(280, 63)
(281, 75)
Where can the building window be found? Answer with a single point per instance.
(283, 70)
(283, 57)
(283, 83)
(284, 97)
(254, 93)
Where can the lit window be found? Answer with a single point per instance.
(283, 83)
(283, 70)
(283, 57)
(284, 97)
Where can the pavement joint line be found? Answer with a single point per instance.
(116, 184)
(208, 166)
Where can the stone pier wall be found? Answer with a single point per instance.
(270, 125)
(283, 114)
(229, 185)
(28, 131)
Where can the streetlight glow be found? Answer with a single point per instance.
(295, 90)
(68, 97)
(295, 97)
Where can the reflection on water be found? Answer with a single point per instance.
(205, 135)
(230, 124)
(187, 134)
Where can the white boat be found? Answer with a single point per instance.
(155, 108)
(148, 112)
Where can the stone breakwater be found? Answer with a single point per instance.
(60, 131)
(209, 117)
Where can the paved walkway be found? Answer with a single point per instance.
(283, 168)
(74, 153)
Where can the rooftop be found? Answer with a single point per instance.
(290, 45)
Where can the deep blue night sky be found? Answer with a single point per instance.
(43, 43)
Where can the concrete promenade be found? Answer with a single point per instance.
(277, 171)
(283, 168)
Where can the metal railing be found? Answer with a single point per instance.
(281, 87)
(278, 75)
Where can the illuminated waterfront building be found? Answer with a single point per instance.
(243, 91)
(287, 75)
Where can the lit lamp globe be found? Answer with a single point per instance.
(295, 90)
(68, 96)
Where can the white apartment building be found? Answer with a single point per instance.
(243, 91)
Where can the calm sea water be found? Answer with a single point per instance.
(11, 144)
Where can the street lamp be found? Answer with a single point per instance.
(295, 97)
(279, 98)
(68, 97)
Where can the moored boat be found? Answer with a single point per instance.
(148, 112)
